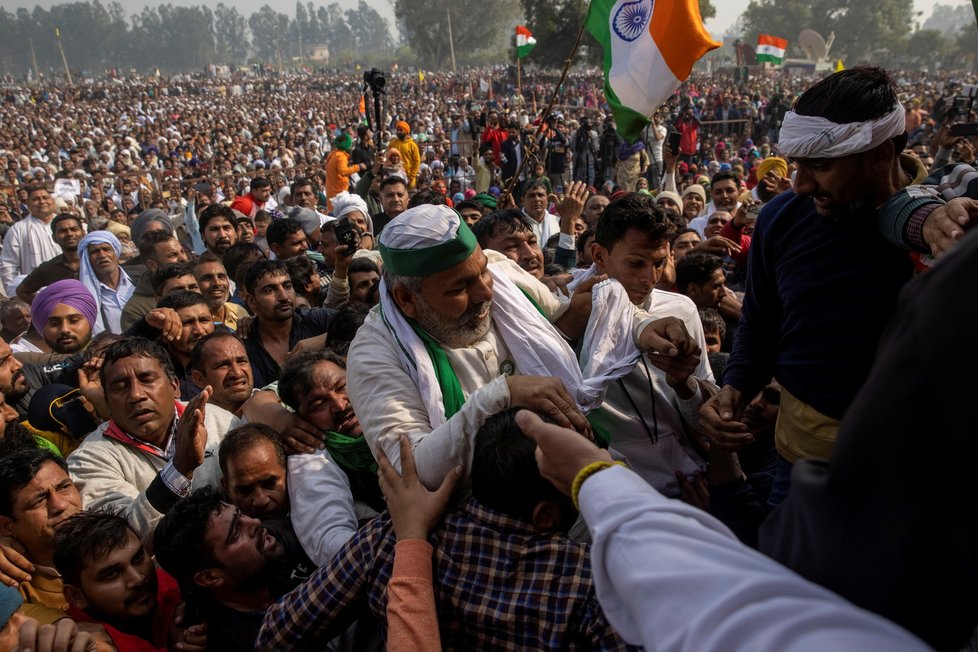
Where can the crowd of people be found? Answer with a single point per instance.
(279, 373)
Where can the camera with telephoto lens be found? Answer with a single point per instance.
(375, 80)
(346, 235)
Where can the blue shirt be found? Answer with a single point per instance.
(819, 293)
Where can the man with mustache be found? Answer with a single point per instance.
(462, 334)
(277, 326)
(724, 189)
(110, 579)
(13, 382)
(100, 272)
(304, 500)
(68, 232)
(157, 249)
(218, 228)
(36, 497)
(154, 448)
(314, 385)
(509, 233)
(221, 361)
(29, 242)
(215, 285)
(196, 323)
(229, 565)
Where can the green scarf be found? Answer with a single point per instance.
(351, 453)
(451, 389)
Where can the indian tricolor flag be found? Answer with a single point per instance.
(649, 50)
(770, 48)
(524, 41)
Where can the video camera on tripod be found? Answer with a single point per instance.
(963, 105)
(375, 82)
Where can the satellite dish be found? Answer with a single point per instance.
(813, 44)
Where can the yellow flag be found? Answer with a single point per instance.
(838, 65)
(420, 76)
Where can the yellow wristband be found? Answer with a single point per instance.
(586, 473)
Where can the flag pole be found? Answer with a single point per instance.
(451, 41)
(57, 34)
(519, 82)
(550, 106)
(37, 75)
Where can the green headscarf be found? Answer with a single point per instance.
(344, 142)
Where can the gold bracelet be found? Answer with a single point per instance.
(586, 473)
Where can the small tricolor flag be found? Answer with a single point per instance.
(649, 50)
(524, 41)
(770, 48)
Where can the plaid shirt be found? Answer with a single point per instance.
(499, 585)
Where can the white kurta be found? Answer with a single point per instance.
(388, 403)
(630, 421)
(321, 505)
(544, 229)
(27, 244)
(671, 577)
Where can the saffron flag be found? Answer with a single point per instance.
(771, 48)
(524, 41)
(649, 50)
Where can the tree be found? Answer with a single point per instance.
(707, 10)
(555, 26)
(926, 46)
(338, 35)
(948, 19)
(371, 31)
(264, 25)
(230, 35)
(861, 26)
(476, 30)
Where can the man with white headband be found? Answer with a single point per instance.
(462, 334)
(823, 275)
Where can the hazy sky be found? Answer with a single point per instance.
(727, 10)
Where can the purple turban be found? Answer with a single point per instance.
(69, 292)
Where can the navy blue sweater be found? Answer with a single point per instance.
(819, 293)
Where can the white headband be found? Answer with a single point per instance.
(806, 136)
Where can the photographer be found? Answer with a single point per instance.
(554, 149)
(513, 149)
(364, 150)
(584, 151)
(609, 151)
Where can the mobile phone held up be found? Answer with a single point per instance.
(965, 130)
(674, 138)
(346, 235)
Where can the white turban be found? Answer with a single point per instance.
(421, 227)
(806, 136)
(346, 202)
(87, 275)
